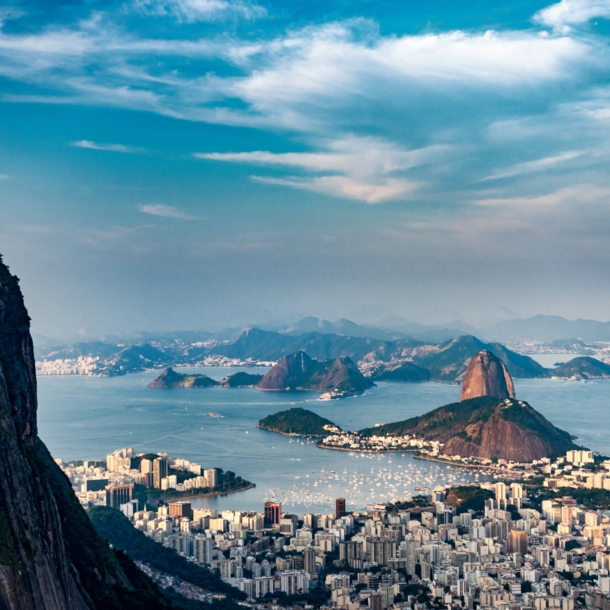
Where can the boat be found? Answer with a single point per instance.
(213, 414)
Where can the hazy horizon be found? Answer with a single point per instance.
(185, 164)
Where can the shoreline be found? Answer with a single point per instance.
(366, 450)
(419, 457)
(448, 463)
(290, 433)
(189, 496)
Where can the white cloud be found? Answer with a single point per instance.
(572, 12)
(530, 167)
(167, 211)
(109, 147)
(4, 176)
(199, 10)
(361, 168)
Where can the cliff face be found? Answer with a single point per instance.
(486, 375)
(50, 556)
(300, 372)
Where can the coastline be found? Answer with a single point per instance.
(289, 433)
(366, 450)
(448, 463)
(190, 496)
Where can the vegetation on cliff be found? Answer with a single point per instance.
(112, 525)
(298, 421)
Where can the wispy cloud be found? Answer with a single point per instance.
(120, 148)
(568, 13)
(167, 211)
(199, 10)
(4, 176)
(366, 169)
(530, 167)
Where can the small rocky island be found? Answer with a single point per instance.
(299, 422)
(171, 379)
(336, 378)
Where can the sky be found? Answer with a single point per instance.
(194, 164)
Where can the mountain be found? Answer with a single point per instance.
(51, 557)
(487, 428)
(268, 345)
(583, 368)
(342, 327)
(170, 379)
(300, 372)
(405, 371)
(548, 328)
(486, 375)
(299, 422)
(448, 361)
(241, 380)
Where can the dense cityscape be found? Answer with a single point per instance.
(539, 542)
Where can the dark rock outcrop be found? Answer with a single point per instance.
(170, 379)
(486, 375)
(50, 555)
(300, 372)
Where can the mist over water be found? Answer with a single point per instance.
(86, 418)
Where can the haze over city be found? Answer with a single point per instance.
(180, 164)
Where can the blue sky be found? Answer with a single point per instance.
(171, 164)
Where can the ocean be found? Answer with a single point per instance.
(88, 417)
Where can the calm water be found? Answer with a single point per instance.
(86, 418)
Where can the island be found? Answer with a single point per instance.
(299, 422)
(336, 378)
(170, 379)
(583, 367)
(241, 380)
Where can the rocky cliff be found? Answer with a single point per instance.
(300, 372)
(50, 555)
(486, 375)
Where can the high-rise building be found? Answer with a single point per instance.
(146, 466)
(160, 471)
(118, 494)
(180, 509)
(517, 542)
(309, 561)
(211, 477)
(203, 549)
(273, 512)
(339, 508)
